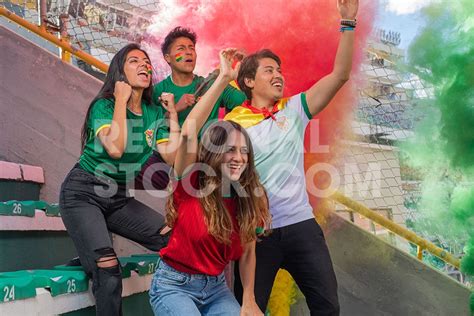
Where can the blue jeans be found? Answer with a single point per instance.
(177, 293)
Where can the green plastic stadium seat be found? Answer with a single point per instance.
(16, 287)
(50, 209)
(142, 264)
(62, 281)
(18, 208)
(58, 281)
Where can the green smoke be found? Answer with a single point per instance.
(443, 147)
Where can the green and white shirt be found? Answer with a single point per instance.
(144, 132)
(277, 139)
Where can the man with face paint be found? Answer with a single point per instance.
(179, 51)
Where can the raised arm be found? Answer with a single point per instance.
(188, 142)
(321, 93)
(114, 138)
(167, 150)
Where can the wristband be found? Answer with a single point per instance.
(347, 22)
(346, 28)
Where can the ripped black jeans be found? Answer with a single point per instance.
(91, 208)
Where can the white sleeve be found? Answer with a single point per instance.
(298, 104)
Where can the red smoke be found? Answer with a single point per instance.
(304, 33)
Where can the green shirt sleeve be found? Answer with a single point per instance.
(162, 127)
(232, 97)
(101, 115)
(157, 91)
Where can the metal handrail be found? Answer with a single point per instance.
(422, 244)
(60, 42)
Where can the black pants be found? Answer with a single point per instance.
(90, 210)
(301, 250)
(154, 174)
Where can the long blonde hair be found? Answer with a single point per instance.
(251, 201)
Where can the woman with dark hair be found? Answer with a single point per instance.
(120, 129)
(216, 207)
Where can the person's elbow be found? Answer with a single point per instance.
(248, 249)
(168, 157)
(114, 153)
(342, 77)
(112, 146)
(185, 134)
(188, 133)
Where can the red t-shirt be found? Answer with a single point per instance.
(191, 249)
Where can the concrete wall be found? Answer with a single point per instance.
(376, 278)
(43, 105)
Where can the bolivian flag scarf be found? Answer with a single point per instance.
(248, 115)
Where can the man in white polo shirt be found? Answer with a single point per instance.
(276, 127)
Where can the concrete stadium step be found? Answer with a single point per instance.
(20, 181)
(32, 236)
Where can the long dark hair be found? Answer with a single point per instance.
(115, 73)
